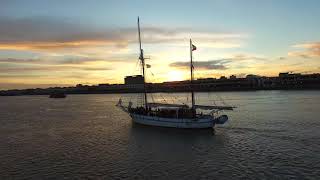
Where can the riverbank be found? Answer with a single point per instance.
(284, 81)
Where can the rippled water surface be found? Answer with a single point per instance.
(271, 135)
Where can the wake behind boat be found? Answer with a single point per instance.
(174, 115)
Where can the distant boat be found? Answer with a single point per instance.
(58, 95)
(174, 115)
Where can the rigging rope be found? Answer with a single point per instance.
(152, 80)
(163, 98)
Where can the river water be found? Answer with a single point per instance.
(270, 135)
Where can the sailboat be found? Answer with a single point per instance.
(174, 115)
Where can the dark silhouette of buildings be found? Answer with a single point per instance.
(134, 84)
(137, 79)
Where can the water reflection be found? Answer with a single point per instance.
(271, 134)
(171, 140)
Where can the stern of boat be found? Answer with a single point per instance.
(221, 119)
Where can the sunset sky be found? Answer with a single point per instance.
(60, 43)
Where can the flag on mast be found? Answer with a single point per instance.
(148, 65)
(194, 47)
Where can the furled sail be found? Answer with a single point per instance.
(204, 107)
(154, 105)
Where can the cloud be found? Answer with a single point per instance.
(19, 75)
(177, 36)
(71, 60)
(50, 34)
(45, 29)
(43, 33)
(49, 60)
(56, 68)
(95, 69)
(15, 60)
(203, 65)
(310, 50)
(6, 86)
(243, 61)
(245, 57)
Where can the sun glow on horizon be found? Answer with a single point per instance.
(54, 48)
(175, 76)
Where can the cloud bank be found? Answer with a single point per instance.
(203, 65)
(310, 50)
(220, 64)
(49, 34)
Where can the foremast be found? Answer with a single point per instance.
(141, 57)
(192, 48)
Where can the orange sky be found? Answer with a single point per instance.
(67, 45)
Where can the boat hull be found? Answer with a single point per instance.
(196, 123)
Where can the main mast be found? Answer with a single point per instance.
(191, 78)
(141, 57)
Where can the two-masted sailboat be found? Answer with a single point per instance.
(174, 115)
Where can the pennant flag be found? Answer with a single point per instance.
(148, 65)
(194, 47)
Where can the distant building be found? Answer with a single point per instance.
(289, 75)
(137, 79)
(223, 78)
(103, 85)
(233, 77)
(205, 80)
(282, 75)
(252, 76)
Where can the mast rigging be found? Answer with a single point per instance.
(191, 78)
(141, 57)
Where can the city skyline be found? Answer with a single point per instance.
(47, 43)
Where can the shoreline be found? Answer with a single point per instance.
(152, 92)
